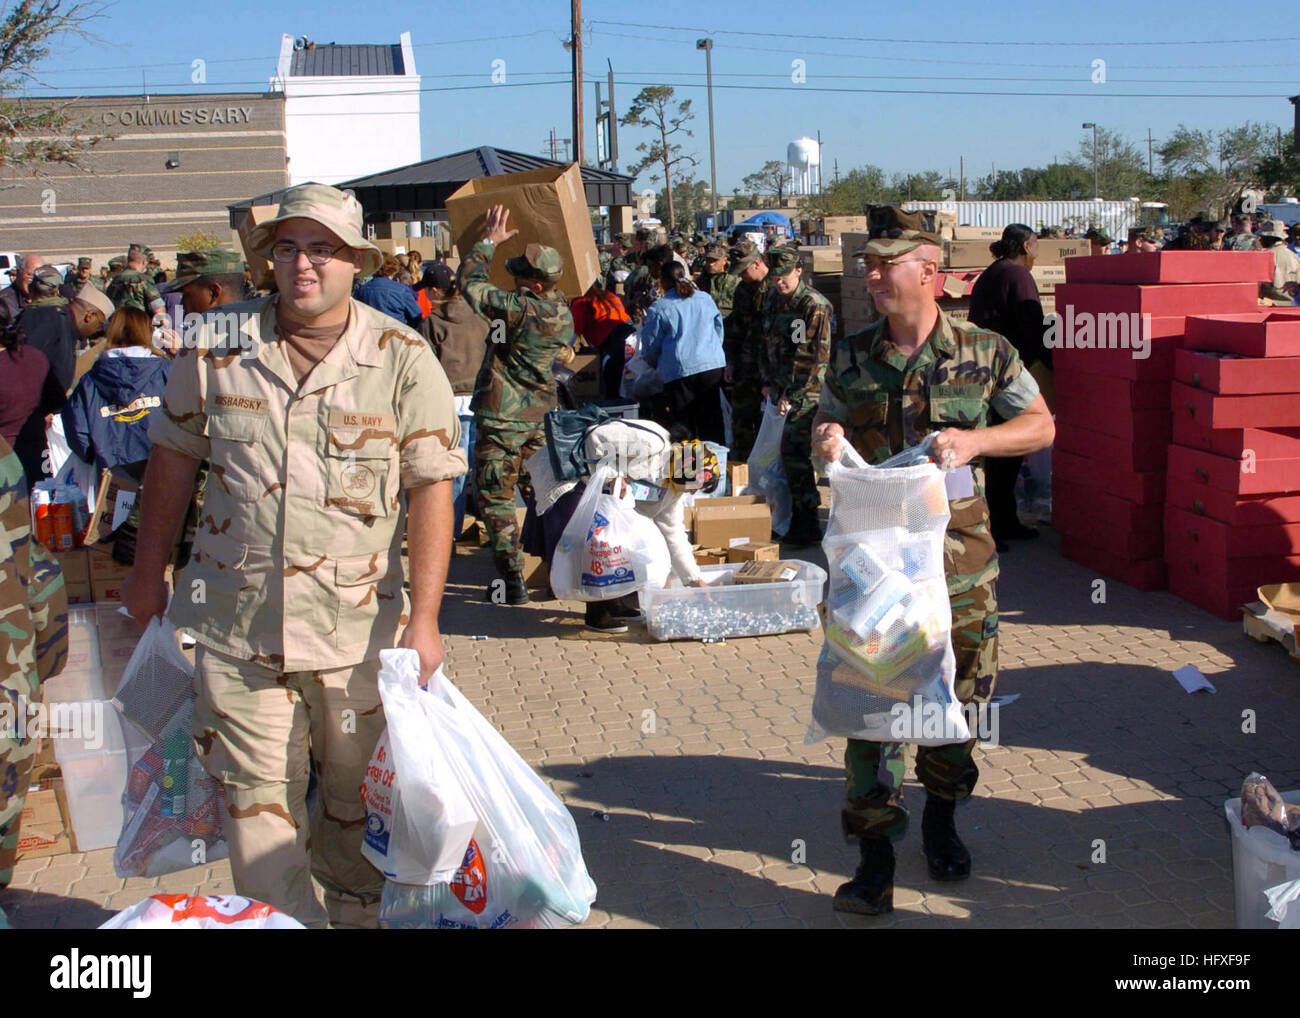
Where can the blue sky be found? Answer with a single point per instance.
(1196, 56)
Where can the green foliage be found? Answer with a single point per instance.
(198, 240)
(654, 110)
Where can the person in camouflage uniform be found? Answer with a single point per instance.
(1241, 238)
(743, 343)
(621, 260)
(332, 434)
(515, 389)
(716, 281)
(796, 327)
(33, 645)
(913, 372)
(133, 287)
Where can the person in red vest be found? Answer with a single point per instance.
(602, 320)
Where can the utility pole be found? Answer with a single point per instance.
(613, 122)
(707, 46)
(961, 169)
(1096, 192)
(566, 148)
(837, 171)
(1150, 172)
(576, 18)
(819, 161)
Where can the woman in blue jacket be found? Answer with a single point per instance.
(682, 337)
(106, 420)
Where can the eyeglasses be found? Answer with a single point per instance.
(317, 254)
(872, 266)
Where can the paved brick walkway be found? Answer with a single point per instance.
(1102, 750)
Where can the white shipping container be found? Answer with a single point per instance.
(1115, 217)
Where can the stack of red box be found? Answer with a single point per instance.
(1120, 320)
(1232, 519)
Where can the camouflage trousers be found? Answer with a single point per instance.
(746, 415)
(796, 455)
(17, 753)
(875, 770)
(258, 731)
(499, 458)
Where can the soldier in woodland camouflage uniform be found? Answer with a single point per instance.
(33, 645)
(1241, 238)
(885, 389)
(716, 281)
(796, 327)
(515, 389)
(743, 344)
(133, 287)
(331, 431)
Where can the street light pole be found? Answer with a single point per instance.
(707, 46)
(1095, 192)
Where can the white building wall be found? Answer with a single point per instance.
(1114, 216)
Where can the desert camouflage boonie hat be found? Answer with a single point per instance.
(537, 262)
(1274, 228)
(892, 232)
(337, 211)
(743, 255)
(192, 265)
(782, 260)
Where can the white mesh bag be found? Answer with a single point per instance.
(886, 670)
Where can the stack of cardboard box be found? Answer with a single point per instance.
(1121, 319)
(1232, 519)
(829, 230)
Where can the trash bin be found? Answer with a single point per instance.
(1260, 859)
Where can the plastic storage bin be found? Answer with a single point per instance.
(749, 609)
(1260, 859)
(92, 751)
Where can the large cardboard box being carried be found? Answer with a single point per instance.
(263, 274)
(547, 206)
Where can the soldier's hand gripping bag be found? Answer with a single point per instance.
(491, 844)
(886, 670)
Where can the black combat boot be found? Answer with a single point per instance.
(516, 591)
(871, 891)
(945, 855)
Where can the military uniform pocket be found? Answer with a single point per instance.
(214, 584)
(358, 579)
(359, 466)
(237, 462)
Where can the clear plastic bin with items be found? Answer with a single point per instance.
(724, 609)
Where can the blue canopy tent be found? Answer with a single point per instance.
(768, 219)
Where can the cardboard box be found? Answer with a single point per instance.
(736, 519)
(586, 376)
(853, 288)
(1269, 476)
(1074, 503)
(1222, 541)
(1047, 276)
(547, 206)
(754, 553)
(1237, 375)
(1141, 487)
(1055, 252)
(1108, 391)
(1139, 267)
(1269, 444)
(1283, 598)
(106, 576)
(263, 273)
(1143, 574)
(737, 477)
(974, 254)
(759, 571)
(1178, 299)
(988, 234)
(710, 556)
(1275, 410)
(1275, 333)
(1118, 422)
(1226, 507)
(1239, 578)
(116, 494)
(44, 829)
(1138, 454)
(1081, 527)
(1186, 583)
(850, 244)
(821, 258)
(75, 566)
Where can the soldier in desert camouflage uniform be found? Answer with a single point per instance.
(133, 287)
(515, 388)
(743, 343)
(913, 372)
(331, 431)
(33, 645)
(796, 327)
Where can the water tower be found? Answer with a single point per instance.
(803, 158)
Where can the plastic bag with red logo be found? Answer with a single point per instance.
(520, 867)
(210, 912)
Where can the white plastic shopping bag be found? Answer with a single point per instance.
(887, 668)
(210, 912)
(173, 808)
(608, 549)
(518, 861)
(767, 471)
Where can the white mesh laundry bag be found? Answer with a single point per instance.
(886, 670)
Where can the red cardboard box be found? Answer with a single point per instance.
(1267, 443)
(1273, 333)
(1078, 527)
(1115, 421)
(1177, 299)
(1145, 574)
(1235, 575)
(1073, 503)
(1173, 267)
(1269, 476)
(1231, 375)
(1144, 488)
(1142, 453)
(1226, 604)
(1114, 360)
(1274, 410)
(1222, 541)
(1224, 506)
(1109, 391)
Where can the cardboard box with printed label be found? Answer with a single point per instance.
(727, 522)
(766, 572)
(547, 206)
(106, 576)
(116, 494)
(710, 556)
(44, 829)
(75, 566)
(754, 553)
